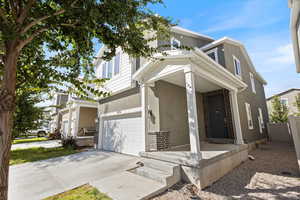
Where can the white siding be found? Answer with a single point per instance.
(120, 81)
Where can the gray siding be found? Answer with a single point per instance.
(169, 112)
(125, 100)
(255, 100)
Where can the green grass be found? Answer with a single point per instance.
(20, 156)
(27, 140)
(85, 192)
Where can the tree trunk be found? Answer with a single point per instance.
(7, 96)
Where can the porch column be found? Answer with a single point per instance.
(69, 120)
(76, 124)
(192, 115)
(144, 106)
(236, 118)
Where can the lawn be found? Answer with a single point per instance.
(85, 192)
(20, 156)
(27, 140)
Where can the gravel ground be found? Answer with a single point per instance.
(273, 175)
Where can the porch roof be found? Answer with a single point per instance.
(196, 61)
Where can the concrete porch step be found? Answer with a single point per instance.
(154, 174)
(163, 172)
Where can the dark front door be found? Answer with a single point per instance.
(216, 116)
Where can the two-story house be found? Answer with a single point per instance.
(183, 100)
(287, 98)
(211, 92)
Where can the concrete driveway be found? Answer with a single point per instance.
(41, 179)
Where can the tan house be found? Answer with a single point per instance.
(288, 98)
(194, 108)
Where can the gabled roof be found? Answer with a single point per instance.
(283, 93)
(183, 31)
(243, 49)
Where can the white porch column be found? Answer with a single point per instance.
(70, 120)
(236, 118)
(144, 102)
(76, 124)
(192, 115)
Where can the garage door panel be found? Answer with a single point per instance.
(123, 134)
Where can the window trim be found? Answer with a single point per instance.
(215, 51)
(174, 39)
(106, 63)
(249, 116)
(235, 68)
(252, 82)
(261, 117)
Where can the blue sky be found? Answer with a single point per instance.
(262, 25)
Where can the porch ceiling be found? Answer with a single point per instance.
(202, 85)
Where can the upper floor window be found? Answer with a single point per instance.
(249, 116)
(213, 54)
(284, 101)
(252, 82)
(237, 67)
(175, 44)
(111, 68)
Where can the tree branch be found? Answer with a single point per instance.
(2, 15)
(24, 12)
(13, 8)
(29, 39)
(35, 22)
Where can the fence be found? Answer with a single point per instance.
(279, 132)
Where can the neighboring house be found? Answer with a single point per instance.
(75, 117)
(288, 98)
(59, 102)
(79, 120)
(295, 30)
(211, 93)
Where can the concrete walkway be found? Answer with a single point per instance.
(46, 144)
(41, 179)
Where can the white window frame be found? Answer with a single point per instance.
(215, 51)
(261, 117)
(252, 82)
(174, 39)
(239, 67)
(249, 116)
(113, 60)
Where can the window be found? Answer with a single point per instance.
(284, 101)
(252, 83)
(249, 116)
(261, 118)
(104, 70)
(111, 68)
(175, 44)
(117, 64)
(213, 54)
(237, 67)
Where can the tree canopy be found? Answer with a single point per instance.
(279, 111)
(48, 43)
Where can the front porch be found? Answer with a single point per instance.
(191, 102)
(82, 116)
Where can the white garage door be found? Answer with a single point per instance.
(124, 134)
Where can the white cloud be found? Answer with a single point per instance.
(250, 14)
(283, 55)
